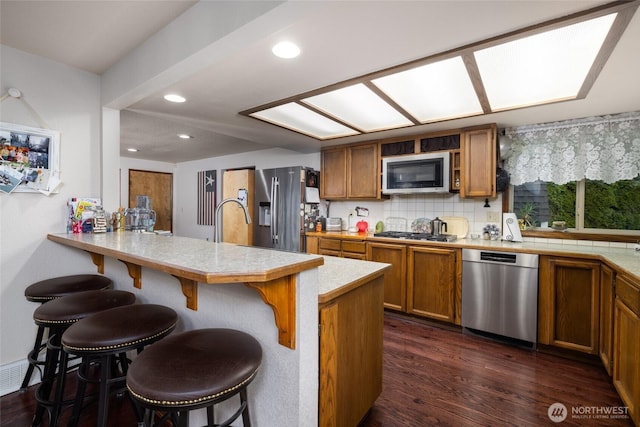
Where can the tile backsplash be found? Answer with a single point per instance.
(416, 206)
(430, 206)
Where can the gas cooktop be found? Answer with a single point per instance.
(417, 236)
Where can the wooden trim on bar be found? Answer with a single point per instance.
(280, 294)
(135, 271)
(98, 260)
(189, 290)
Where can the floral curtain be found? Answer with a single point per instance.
(603, 148)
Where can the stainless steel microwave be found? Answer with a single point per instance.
(418, 173)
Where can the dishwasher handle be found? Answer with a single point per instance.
(498, 257)
(515, 259)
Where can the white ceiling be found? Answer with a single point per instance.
(340, 40)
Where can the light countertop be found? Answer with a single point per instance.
(339, 275)
(624, 259)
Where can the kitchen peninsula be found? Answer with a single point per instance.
(303, 380)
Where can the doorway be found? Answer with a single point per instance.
(159, 187)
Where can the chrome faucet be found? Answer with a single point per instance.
(218, 230)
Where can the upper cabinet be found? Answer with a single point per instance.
(478, 159)
(350, 172)
(354, 172)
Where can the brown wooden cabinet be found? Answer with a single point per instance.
(356, 249)
(395, 279)
(626, 344)
(350, 172)
(569, 303)
(607, 298)
(333, 173)
(478, 160)
(431, 284)
(351, 332)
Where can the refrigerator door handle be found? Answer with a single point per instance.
(274, 209)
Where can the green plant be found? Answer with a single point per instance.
(527, 213)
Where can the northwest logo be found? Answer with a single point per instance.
(557, 412)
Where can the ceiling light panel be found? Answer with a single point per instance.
(436, 91)
(300, 119)
(542, 68)
(360, 107)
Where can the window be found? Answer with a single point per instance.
(586, 205)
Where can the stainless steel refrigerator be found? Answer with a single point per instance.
(279, 208)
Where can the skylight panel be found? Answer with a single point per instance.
(435, 91)
(360, 107)
(542, 68)
(300, 119)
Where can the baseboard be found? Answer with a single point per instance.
(11, 376)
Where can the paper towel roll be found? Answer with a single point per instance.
(510, 228)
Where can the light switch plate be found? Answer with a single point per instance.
(493, 216)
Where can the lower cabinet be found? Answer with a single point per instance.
(395, 279)
(356, 249)
(431, 284)
(607, 298)
(351, 332)
(626, 344)
(569, 303)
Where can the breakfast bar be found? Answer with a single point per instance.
(278, 297)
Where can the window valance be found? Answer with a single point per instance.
(603, 148)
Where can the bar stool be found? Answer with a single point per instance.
(57, 315)
(104, 338)
(192, 370)
(46, 290)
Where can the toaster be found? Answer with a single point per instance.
(334, 224)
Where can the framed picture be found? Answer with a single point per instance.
(33, 154)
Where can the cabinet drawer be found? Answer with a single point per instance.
(330, 244)
(629, 293)
(357, 247)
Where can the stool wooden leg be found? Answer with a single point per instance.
(58, 396)
(81, 388)
(246, 422)
(103, 402)
(33, 357)
(211, 419)
(43, 392)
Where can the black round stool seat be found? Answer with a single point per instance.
(119, 329)
(106, 336)
(71, 308)
(195, 369)
(57, 287)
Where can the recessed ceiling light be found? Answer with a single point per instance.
(184, 136)
(286, 50)
(172, 97)
(133, 150)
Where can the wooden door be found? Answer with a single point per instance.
(607, 297)
(395, 279)
(362, 172)
(159, 187)
(478, 155)
(432, 283)
(569, 303)
(333, 174)
(626, 353)
(234, 225)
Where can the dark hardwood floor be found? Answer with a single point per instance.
(438, 377)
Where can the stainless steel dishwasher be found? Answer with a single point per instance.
(500, 293)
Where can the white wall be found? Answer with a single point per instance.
(68, 100)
